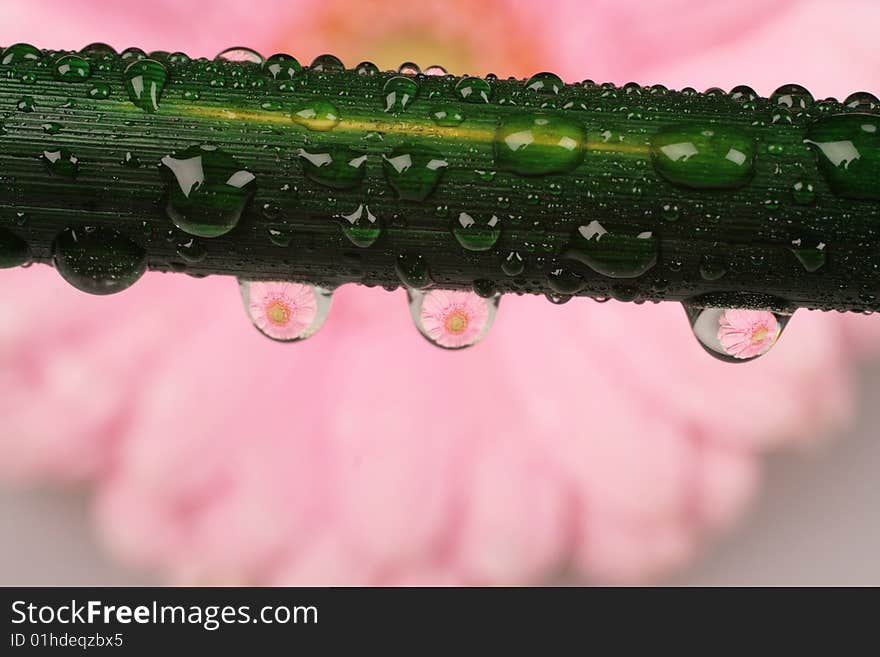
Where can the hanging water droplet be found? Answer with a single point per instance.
(513, 264)
(545, 83)
(192, 251)
(614, 255)
(811, 254)
(793, 96)
(339, 168)
(72, 68)
(318, 115)
(409, 68)
(240, 55)
(361, 227)
(452, 319)
(144, 81)
(479, 234)
(847, 148)
(446, 117)
(473, 90)
(735, 335)
(282, 67)
(207, 190)
(399, 92)
(14, 251)
(538, 145)
(327, 63)
(98, 260)
(412, 270)
(436, 70)
(414, 172)
(716, 158)
(564, 281)
(61, 162)
(285, 312)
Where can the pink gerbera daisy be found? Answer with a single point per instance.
(747, 333)
(454, 319)
(283, 311)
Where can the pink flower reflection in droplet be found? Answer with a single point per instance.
(454, 319)
(282, 310)
(747, 333)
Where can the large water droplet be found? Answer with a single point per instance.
(61, 162)
(452, 319)
(476, 234)
(735, 335)
(282, 67)
(318, 115)
(339, 168)
(792, 96)
(327, 63)
(14, 251)
(862, 101)
(240, 55)
(285, 312)
(712, 158)
(614, 255)
(412, 270)
(207, 190)
(473, 90)
(20, 52)
(366, 68)
(361, 227)
(538, 145)
(414, 172)
(848, 151)
(145, 80)
(545, 83)
(72, 68)
(98, 260)
(399, 92)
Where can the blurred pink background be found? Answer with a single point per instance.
(595, 442)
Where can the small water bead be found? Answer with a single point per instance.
(336, 167)
(14, 251)
(144, 81)
(414, 172)
(793, 96)
(446, 117)
(192, 251)
(409, 68)
(399, 92)
(847, 148)
(240, 55)
(743, 94)
(130, 160)
(98, 49)
(538, 145)
(285, 311)
(207, 190)
(862, 101)
(803, 193)
(72, 68)
(61, 162)
(51, 128)
(327, 63)
(99, 90)
(485, 288)
(716, 158)
(412, 270)
(513, 264)
(20, 53)
(480, 234)
(28, 77)
(670, 211)
(545, 83)
(735, 335)
(361, 227)
(436, 70)
(26, 104)
(473, 90)
(557, 299)
(282, 67)
(132, 55)
(280, 236)
(317, 115)
(98, 260)
(179, 58)
(712, 268)
(614, 255)
(366, 68)
(812, 257)
(452, 319)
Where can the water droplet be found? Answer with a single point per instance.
(98, 49)
(743, 94)
(132, 54)
(280, 236)
(19, 53)
(318, 115)
(545, 83)
(670, 212)
(327, 63)
(735, 335)
(452, 319)
(282, 67)
(473, 90)
(862, 101)
(557, 299)
(538, 145)
(412, 270)
(29, 77)
(803, 192)
(446, 117)
(207, 190)
(614, 255)
(479, 234)
(716, 158)
(366, 68)
(61, 162)
(285, 312)
(712, 268)
(130, 160)
(98, 260)
(72, 68)
(26, 104)
(99, 90)
(811, 255)
(848, 151)
(399, 92)
(409, 68)
(179, 58)
(191, 251)
(414, 172)
(14, 251)
(563, 281)
(361, 227)
(793, 96)
(513, 264)
(145, 80)
(339, 168)
(485, 288)
(51, 128)
(436, 70)
(240, 55)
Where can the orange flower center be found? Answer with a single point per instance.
(760, 335)
(278, 312)
(456, 322)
